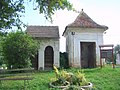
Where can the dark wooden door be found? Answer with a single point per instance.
(91, 55)
(84, 55)
(88, 54)
(48, 57)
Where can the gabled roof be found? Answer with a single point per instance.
(43, 31)
(84, 21)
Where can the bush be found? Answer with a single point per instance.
(1, 56)
(74, 79)
(64, 63)
(18, 47)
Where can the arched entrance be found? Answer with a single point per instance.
(48, 58)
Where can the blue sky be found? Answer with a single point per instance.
(103, 12)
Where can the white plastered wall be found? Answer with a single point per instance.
(82, 35)
(54, 43)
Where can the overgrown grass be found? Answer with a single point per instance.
(105, 78)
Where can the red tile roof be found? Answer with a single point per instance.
(43, 31)
(84, 21)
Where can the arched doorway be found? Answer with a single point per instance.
(48, 58)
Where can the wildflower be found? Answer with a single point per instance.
(56, 70)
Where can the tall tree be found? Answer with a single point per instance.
(10, 10)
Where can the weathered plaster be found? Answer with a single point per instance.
(54, 43)
(82, 35)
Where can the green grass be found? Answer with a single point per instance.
(105, 78)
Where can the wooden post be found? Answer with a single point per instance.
(113, 58)
(100, 58)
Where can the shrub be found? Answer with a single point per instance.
(74, 79)
(1, 54)
(64, 60)
(18, 47)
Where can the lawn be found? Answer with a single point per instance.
(105, 78)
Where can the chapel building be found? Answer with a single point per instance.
(83, 38)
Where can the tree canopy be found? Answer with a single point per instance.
(10, 13)
(11, 10)
(18, 47)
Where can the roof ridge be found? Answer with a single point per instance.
(41, 26)
(83, 20)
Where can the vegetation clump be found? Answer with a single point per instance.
(18, 47)
(63, 78)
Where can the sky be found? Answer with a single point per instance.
(103, 12)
